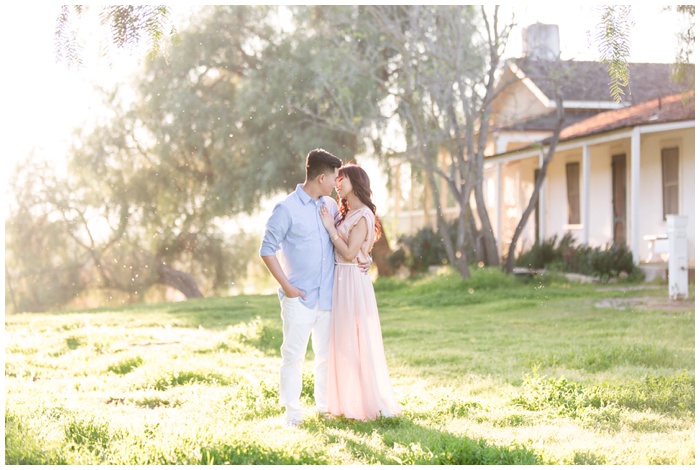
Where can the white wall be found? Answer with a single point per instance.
(651, 198)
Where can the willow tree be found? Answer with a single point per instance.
(438, 70)
(205, 133)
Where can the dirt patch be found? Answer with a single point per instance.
(649, 303)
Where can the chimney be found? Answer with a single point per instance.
(541, 41)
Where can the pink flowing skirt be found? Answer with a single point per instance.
(358, 377)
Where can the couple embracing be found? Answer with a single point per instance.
(326, 292)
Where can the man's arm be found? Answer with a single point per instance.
(275, 231)
(273, 265)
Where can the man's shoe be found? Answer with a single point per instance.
(293, 422)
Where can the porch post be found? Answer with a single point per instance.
(634, 194)
(499, 205)
(586, 194)
(542, 202)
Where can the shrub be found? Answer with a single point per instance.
(604, 263)
(540, 255)
(426, 248)
(397, 259)
(611, 261)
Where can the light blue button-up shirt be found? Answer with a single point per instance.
(307, 259)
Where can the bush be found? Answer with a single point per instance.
(425, 248)
(397, 259)
(540, 255)
(611, 261)
(604, 263)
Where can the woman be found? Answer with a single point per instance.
(358, 377)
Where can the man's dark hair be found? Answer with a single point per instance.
(320, 161)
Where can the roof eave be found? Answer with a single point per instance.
(596, 137)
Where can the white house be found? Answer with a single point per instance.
(619, 168)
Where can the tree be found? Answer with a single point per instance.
(437, 67)
(613, 44)
(307, 91)
(686, 41)
(42, 262)
(130, 27)
(210, 130)
(542, 174)
(428, 67)
(201, 143)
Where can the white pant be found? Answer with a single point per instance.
(298, 322)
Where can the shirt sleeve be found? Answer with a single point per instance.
(276, 230)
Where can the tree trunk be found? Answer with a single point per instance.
(380, 254)
(456, 254)
(179, 280)
(8, 282)
(490, 247)
(510, 261)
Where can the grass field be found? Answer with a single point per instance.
(494, 370)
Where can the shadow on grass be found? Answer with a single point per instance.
(220, 313)
(215, 313)
(409, 443)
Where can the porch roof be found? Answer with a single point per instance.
(678, 107)
(667, 109)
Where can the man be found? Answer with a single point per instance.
(305, 276)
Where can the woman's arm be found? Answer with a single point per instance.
(350, 248)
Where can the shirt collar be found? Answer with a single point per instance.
(303, 195)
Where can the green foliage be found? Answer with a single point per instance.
(674, 394)
(587, 458)
(397, 258)
(176, 378)
(457, 352)
(24, 447)
(91, 434)
(255, 453)
(125, 366)
(252, 401)
(215, 125)
(597, 359)
(73, 342)
(39, 250)
(264, 335)
(684, 68)
(426, 249)
(612, 260)
(602, 403)
(541, 254)
(450, 450)
(603, 262)
(423, 249)
(130, 26)
(613, 45)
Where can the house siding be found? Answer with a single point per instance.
(651, 202)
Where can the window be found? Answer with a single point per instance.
(572, 191)
(669, 176)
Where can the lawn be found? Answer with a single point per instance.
(494, 370)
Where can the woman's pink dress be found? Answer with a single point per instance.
(358, 377)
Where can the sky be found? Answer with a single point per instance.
(42, 101)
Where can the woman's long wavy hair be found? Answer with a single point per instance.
(360, 186)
